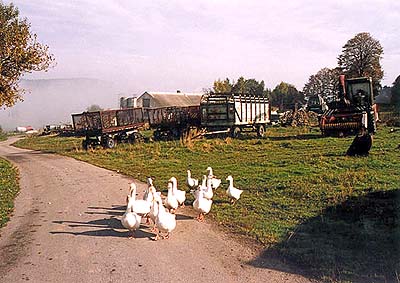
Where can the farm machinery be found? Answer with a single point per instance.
(216, 114)
(234, 113)
(352, 112)
(109, 127)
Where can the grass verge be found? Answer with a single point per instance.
(8, 190)
(299, 190)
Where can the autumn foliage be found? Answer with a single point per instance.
(20, 52)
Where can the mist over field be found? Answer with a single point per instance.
(52, 101)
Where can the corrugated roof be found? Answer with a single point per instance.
(175, 98)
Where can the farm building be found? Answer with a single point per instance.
(164, 99)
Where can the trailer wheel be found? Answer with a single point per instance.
(110, 143)
(135, 137)
(261, 131)
(85, 145)
(236, 132)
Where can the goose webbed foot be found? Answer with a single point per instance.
(132, 235)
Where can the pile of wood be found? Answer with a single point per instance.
(299, 118)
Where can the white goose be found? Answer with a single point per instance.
(215, 183)
(231, 191)
(147, 196)
(171, 202)
(165, 221)
(154, 207)
(206, 187)
(201, 204)
(179, 194)
(141, 207)
(130, 220)
(191, 182)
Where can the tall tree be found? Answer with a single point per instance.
(285, 96)
(361, 56)
(323, 84)
(395, 100)
(20, 53)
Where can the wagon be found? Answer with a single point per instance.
(109, 127)
(172, 122)
(234, 113)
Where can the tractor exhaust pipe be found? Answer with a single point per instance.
(342, 86)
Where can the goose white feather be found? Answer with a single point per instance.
(171, 202)
(179, 194)
(140, 207)
(130, 220)
(191, 182)
(231, 191)
(206, 187)
(165, 221)
(215, 183)
(201, 204)
(147, 196)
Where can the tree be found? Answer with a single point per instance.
(324, 83)
(249, 86)
(94, 107)
(222, 86)
(285, 96)
(243, 86)
(20, 53)
(361, 57)
(395, 100)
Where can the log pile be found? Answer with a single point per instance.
(299, 118)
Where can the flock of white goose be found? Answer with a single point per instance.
(162, 213)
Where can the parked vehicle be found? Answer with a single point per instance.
(234, 113)
(172, 122)
(217, 113)
(352, 111)
(109, 127)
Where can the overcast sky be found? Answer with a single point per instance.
(170, 45)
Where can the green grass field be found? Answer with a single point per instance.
(3, 136)
(336, 216)
(8, 189)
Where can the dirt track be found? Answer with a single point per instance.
(66, 228)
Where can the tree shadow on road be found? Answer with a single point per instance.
(357, 240)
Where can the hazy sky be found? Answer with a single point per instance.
(186, 45)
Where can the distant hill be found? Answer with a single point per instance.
(52, 101)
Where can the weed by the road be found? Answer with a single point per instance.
(8, 189)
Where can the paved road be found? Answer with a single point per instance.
(65, 228)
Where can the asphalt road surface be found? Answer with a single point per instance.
(66, 228)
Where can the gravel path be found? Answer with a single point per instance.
(65, 228)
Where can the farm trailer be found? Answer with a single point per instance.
(109, 127)
(233, 113)
(172, 122)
